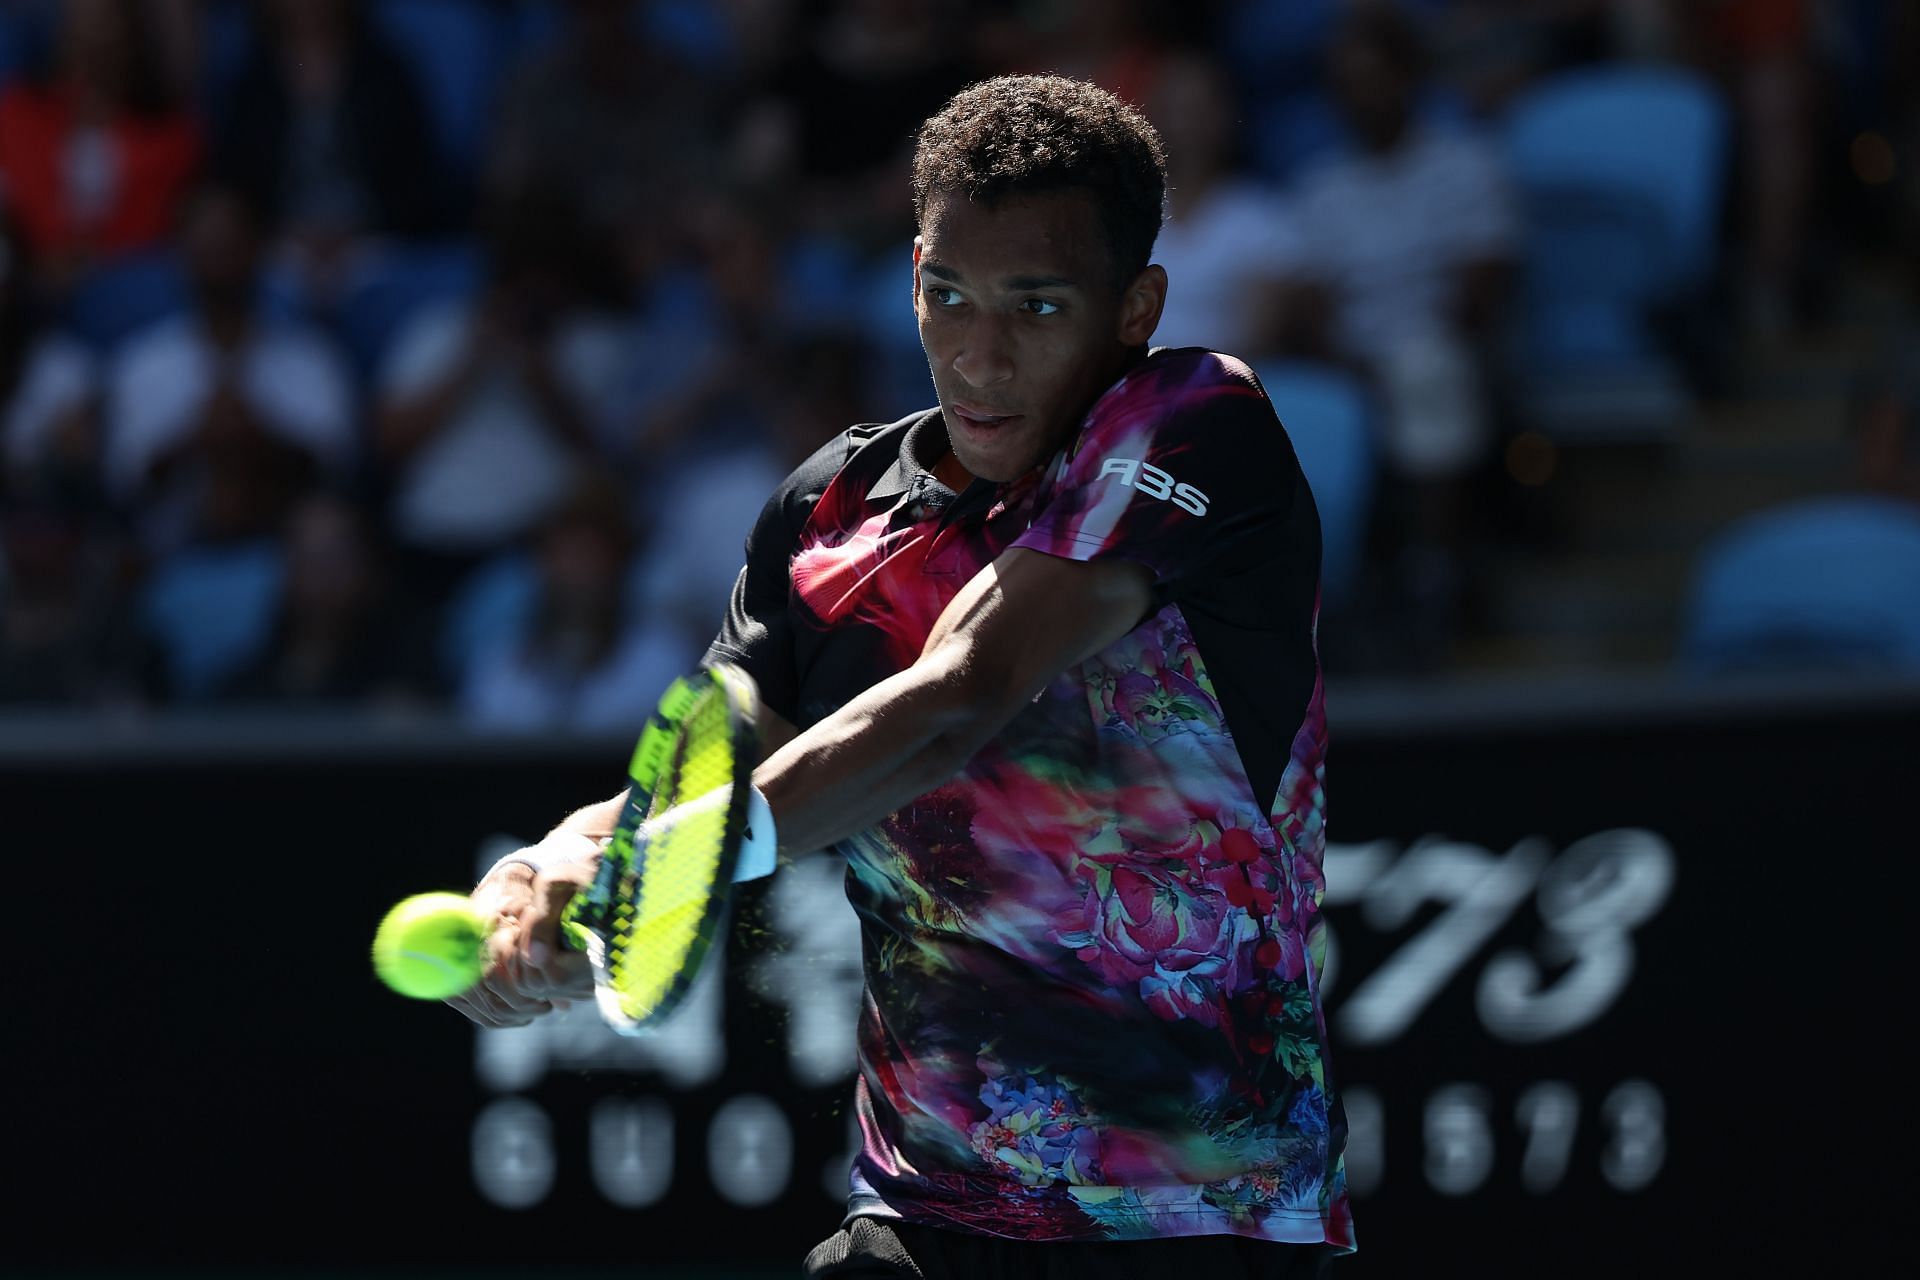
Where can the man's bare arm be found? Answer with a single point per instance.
(1022, 621)
(1019, 623)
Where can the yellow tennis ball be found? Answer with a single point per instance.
(430, 946)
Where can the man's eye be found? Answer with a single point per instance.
(941, 296)
(1040, 306)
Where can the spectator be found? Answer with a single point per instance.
(49, 392)
(487, 407)
(97, 150)
(1225, 233)
(1488, 51)
(602, 124)
(67, 632)
(1407, 252)
(844, 105)
(1117, 44)
(218, 419)
(342, 634)
(1764, 52)
(582, 660)
(709, 497)
(327, 131)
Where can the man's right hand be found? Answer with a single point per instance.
(512, 992)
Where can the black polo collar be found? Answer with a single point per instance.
(920, 450)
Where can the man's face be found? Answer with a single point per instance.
(1023, 322)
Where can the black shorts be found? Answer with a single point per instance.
(871, 1249)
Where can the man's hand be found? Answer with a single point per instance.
(529, 972)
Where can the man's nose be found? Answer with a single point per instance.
(985, 357)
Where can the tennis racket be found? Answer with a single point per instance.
(651, 915)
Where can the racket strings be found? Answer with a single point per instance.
(660, 915)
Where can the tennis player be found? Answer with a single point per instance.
(1041, 662)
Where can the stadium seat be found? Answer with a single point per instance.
(1660, 132)
(1621, 174)
(120, 297)
(1827, 583)
(460, 50)
(1328, 417)
(211, 610)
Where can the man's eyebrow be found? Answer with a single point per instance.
(1023, 283)
(1017, 284)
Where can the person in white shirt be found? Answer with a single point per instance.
(581, 658)
(488, 407)
(1228, 235)
(220, 418)
(49, 386)
(1408, 247)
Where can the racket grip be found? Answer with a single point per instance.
(586, 913)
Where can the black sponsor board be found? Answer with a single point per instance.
(1610, 989)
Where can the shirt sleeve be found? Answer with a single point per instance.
(1179, 466)
(756, 634)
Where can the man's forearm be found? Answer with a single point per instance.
(899, 739)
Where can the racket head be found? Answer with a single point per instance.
(661, 902)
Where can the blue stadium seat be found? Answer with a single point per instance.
(460, 51)
(1826, 583)
(122, 296)
(211, 610)
(1621, 172)
(1659, 133)
(1328, 417)
(389, 290)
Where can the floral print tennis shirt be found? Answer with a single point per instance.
(1092, 958)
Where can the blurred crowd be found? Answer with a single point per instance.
(438, 354)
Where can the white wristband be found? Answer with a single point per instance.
(759, 849)
(557, 847)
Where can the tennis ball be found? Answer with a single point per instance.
(429, 946)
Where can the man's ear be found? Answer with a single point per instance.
(1140, 305)
(916, 275)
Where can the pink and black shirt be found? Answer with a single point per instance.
(1092, 958)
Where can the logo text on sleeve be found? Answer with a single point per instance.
(1155, 483)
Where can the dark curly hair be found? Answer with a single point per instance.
(1023, 135)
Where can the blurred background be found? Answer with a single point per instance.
(354, 356)
(389, 385)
